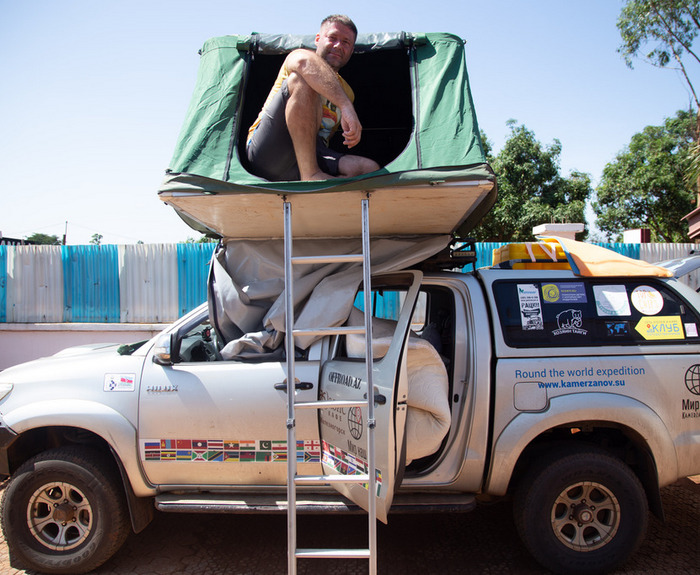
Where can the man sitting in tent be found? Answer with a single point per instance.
(308, 102)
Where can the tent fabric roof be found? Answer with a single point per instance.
(444, 148)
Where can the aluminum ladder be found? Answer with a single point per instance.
(293, 553)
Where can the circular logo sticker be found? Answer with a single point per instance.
(647, 300)
(550, 293)
(692, 379)
(355, 422)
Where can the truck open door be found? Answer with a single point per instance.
(343, 430)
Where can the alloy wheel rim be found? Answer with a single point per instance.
(59, 516)
(585, 516)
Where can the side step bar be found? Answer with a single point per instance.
(308, 504)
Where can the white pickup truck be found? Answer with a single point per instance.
(579, 395)
(572, 385)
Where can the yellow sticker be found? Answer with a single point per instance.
(550, 293)
(660, 327)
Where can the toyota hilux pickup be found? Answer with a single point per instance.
(577, 395)
(562, 375)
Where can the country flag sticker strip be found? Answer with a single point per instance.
(347, 464)
(228, 450)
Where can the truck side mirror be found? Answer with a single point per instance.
(161, 351)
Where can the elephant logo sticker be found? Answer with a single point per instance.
(570, 321)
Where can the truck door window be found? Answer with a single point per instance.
(198, 343)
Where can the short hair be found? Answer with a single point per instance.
(340, 19)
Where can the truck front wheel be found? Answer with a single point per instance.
(63, 511)
(582, 512)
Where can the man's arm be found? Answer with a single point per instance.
(323, 80)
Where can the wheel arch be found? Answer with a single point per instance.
(46, 425)
(620, 425)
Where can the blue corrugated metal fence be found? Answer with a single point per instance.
(192, 270)
(109, 284)
(3, 283)
(91, 283)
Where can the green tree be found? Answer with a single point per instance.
(45, 239)
(531, 190)
(201, 240)
(644, 186)
(662, 32)
(96, 239)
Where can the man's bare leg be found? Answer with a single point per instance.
(350, 166)
(303, 116)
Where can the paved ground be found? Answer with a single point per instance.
(482, 542)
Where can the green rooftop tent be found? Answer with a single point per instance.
(413, 98)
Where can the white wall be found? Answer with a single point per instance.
(20, 342)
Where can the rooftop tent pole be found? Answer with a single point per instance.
(415, 87)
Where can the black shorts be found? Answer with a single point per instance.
(270, 151)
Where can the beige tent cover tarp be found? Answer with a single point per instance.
(595, 261)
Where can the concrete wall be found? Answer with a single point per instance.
(20, 342)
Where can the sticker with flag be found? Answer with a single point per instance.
(232, 456)
(231, 451)
(215, 450)
(199, 455)
(247, 445)
(262, 456)
(151, 450)
(215, 455)
(378, 476)
(199, 450)
(239, 450)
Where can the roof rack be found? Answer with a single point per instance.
(456, 255)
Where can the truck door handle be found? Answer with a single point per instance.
(379, 399)
(300, 385)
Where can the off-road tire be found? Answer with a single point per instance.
(64, 511)
(581, 512)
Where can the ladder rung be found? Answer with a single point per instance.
(341, 330)
(329, 259)
(309, 479)
(332, 553)
(331, 403)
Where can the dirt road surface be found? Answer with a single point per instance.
(481, 542)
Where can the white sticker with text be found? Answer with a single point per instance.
(120, 382)
(611, 300)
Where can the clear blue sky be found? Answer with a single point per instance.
(93, 93)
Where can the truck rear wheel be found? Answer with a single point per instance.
(582, 512)
(63, 511)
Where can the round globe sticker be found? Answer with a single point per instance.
(647, 300)
(550, 293)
